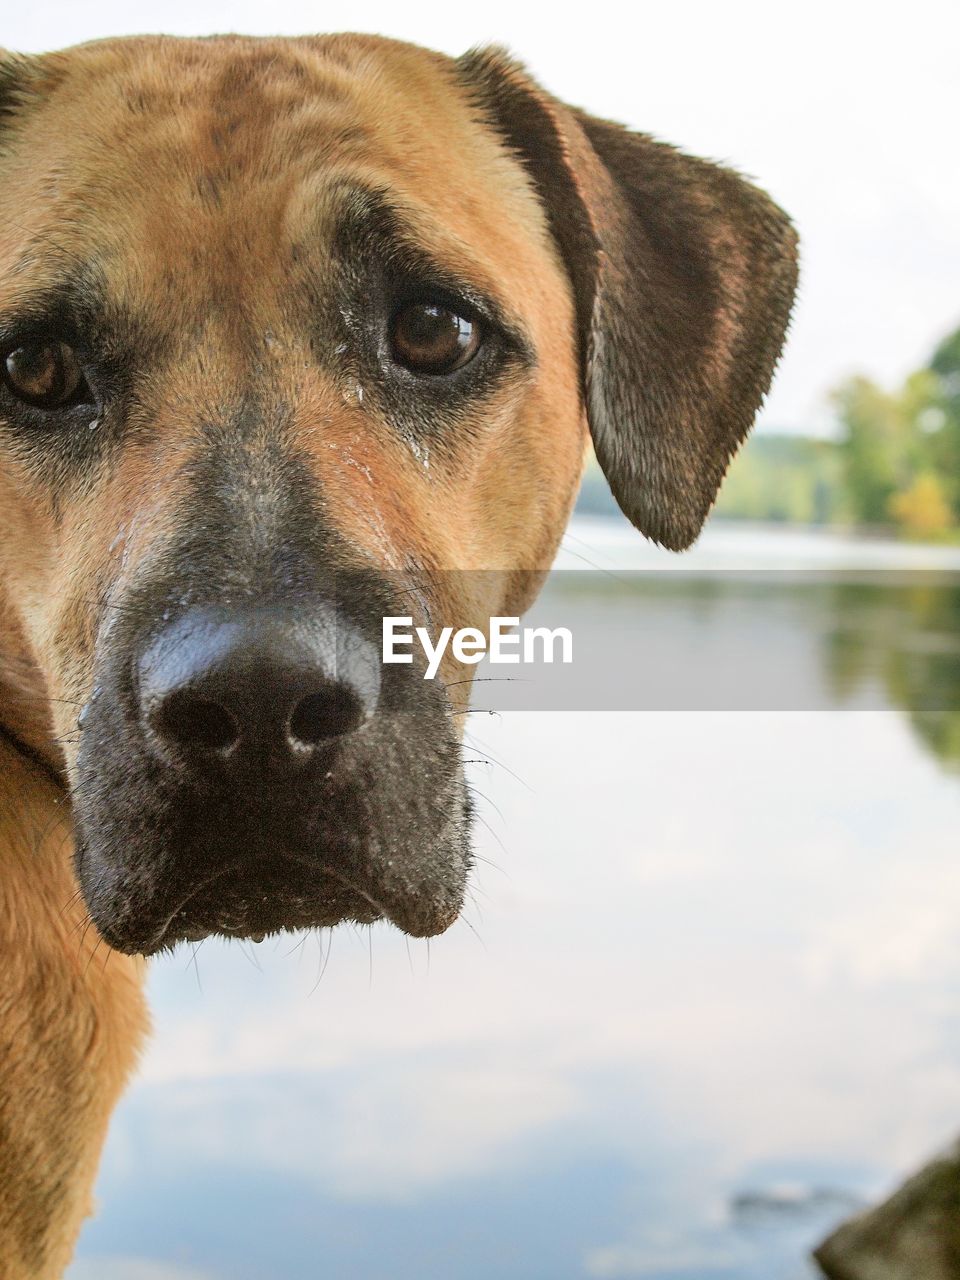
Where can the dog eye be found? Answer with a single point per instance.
(46, 375)
(432, 339)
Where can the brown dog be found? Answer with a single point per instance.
(283, 323)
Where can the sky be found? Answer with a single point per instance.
(845, 112)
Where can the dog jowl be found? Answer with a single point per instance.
(291, 330)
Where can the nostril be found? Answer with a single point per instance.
(187, 720)
(329, 714)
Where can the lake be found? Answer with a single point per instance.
(704, 1000)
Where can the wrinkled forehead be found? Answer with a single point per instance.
(239, 165)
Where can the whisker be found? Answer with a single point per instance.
(297, 947)
(474, 745)
(194, 948)
(486, 799)
(324, 960)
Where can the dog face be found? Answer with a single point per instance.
(296, 334)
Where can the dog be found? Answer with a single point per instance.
(293, 333)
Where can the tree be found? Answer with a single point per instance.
(901, 449)
(873, 448)
(922, 511)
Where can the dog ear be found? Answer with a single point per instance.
(683, 277)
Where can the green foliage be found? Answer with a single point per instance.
(901, 633)
(872, 449)
(894, 465)
(785, 478)
(900, 450)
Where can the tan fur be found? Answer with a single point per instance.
(154, 194)
(72, 1018)
(168, 246)
(197, 175)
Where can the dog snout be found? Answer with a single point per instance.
(236, 689)
(249, 766)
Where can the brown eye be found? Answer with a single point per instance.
(427, 338)
(45, 374)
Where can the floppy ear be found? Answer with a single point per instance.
(683, 277)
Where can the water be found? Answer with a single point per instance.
(703, 1003)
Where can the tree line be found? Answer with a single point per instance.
(895, 463)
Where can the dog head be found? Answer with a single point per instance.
(295, 334)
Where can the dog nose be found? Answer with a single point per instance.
(262, 686)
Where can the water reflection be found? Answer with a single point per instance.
(703, 1000)
(907, 637)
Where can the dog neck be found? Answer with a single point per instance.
(72, 1019)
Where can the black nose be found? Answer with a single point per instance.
(259, 684)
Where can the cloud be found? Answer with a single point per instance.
(384, 1129)
(619, 1261)
(107, 1268)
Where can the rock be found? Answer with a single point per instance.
(914, 1235)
